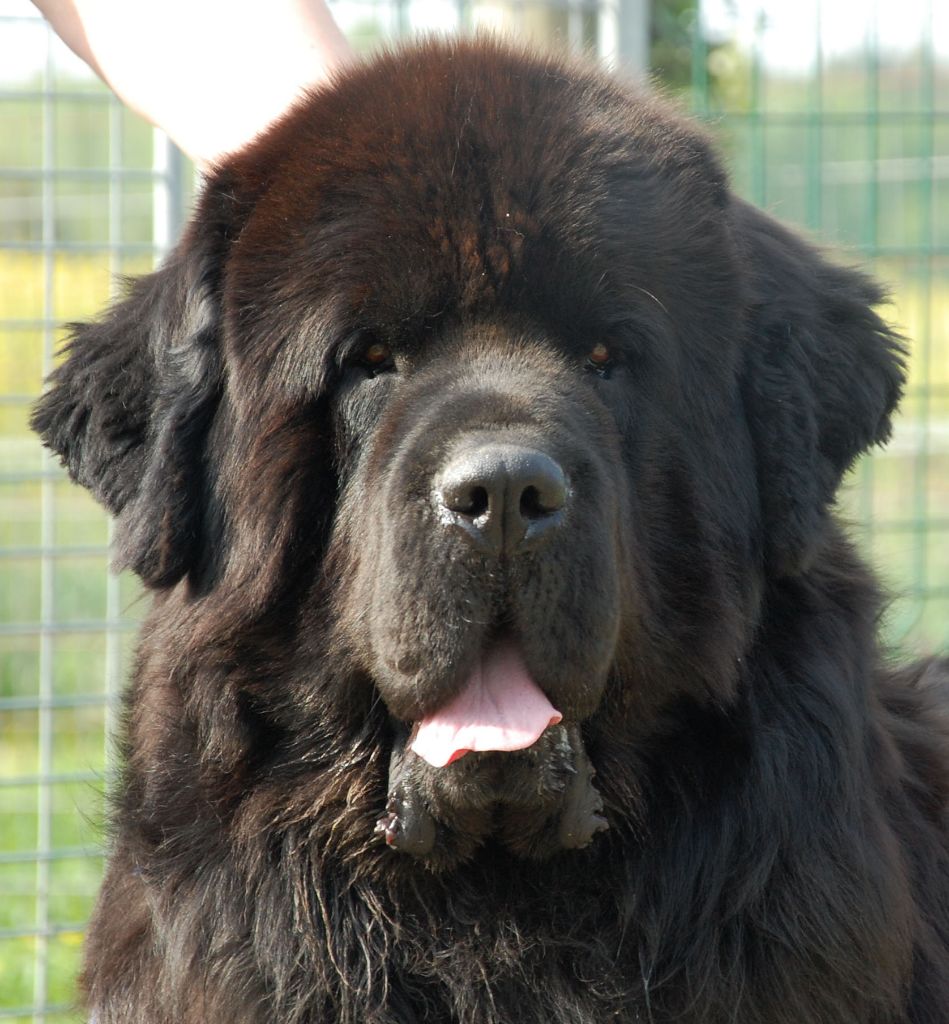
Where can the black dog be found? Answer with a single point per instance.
(506, 662)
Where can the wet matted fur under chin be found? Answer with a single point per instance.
(471, 385)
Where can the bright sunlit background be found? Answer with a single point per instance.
(833, 114)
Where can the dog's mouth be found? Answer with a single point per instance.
(500, 708)
(527, 784)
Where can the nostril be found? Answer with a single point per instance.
(530, 504)
(467, 500)
(477, 503)
(532, 507)
(548, 494)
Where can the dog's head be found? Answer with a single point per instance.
(471, 361)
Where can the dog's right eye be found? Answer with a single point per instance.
(600, 360)
(376, 358)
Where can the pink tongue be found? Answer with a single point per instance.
(500, 708)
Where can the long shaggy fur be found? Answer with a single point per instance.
(776, 796)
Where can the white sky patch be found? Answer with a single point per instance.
(784, 33)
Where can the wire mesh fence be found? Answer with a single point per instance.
(87, 194)
(844, 130)
(847, 137)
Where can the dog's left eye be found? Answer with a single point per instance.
(599, 360)
(377, 358)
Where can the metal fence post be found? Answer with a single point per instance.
(633, 37)
(168, 211)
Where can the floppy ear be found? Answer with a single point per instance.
(823, 373)
(129, 409)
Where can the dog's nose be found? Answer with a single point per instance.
(505, 497)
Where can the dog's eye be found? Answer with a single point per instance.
(599, 360)
(376, 358)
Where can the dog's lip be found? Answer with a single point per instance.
(500, 708)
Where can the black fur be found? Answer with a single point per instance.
(776, 797)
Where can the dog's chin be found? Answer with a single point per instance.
(535, 801)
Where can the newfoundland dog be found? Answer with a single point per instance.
(506, 662)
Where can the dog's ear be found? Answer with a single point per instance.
(823, 373)
(129, 408)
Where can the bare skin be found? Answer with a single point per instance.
(213, 75)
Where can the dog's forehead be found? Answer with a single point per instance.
(461, 183)
(449, 158)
